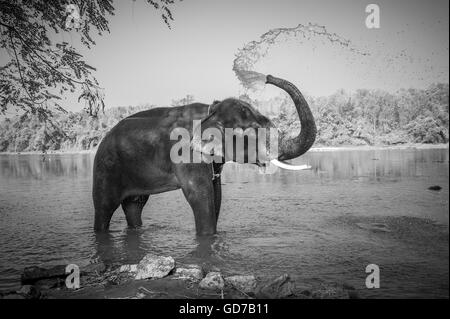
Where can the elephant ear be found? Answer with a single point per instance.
(212, 131)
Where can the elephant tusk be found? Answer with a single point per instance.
(287, 166)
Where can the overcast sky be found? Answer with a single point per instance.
(142, 61)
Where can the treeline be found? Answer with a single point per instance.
(370, 117)
(364, 117)
(72, 131)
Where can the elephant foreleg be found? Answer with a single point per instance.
(217, 189)
(197, 186)
(217, 196)
(132, 207)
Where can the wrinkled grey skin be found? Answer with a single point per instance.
(133, 160)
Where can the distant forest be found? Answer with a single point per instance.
(364, 117)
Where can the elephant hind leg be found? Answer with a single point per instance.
(132, 207)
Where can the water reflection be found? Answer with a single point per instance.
(132, 245)
(36, 166)
(375, 163)
(205, 247)
(370, 164)
(330, 164)
(104, 247)
(128, 246)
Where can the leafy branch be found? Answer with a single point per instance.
(40, 71)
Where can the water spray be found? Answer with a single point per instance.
(252, 52)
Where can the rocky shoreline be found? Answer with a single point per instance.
(160, 277)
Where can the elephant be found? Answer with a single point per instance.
(133, 160)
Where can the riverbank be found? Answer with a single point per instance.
(318, 148)
(378, 147)
(160, 277)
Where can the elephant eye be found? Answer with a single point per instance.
(245, 111)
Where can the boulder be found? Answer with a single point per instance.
(243, 283)
(280, 287)
(190, 272)
(49, 283)
(119, 278)
(154, 266)
(212, 281)
(96, 268)
(29, 291)
(32, 274)
(128, 268)
(25, 290)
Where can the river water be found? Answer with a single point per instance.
(325, 225)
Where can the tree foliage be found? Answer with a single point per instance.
(40, 70)
(188, 99)
(372, 117)
(365, 117)
(68, 131)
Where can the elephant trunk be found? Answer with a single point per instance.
(294, 147)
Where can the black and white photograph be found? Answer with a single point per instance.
(234, 152)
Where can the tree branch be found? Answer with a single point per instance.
(20, 72)
(42, 59)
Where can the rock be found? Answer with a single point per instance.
(119, 279)
(435, 188)
(97, 268)
(50, 283)
(243, 283)
(128, 268)
(140, 295)
(191, 272)
(280, 287)
(32, 274)
(153, 266)
(212, 281)
(25, 290)
(29, 291)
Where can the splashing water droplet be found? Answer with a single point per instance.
(251, 79)
(252, 52)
